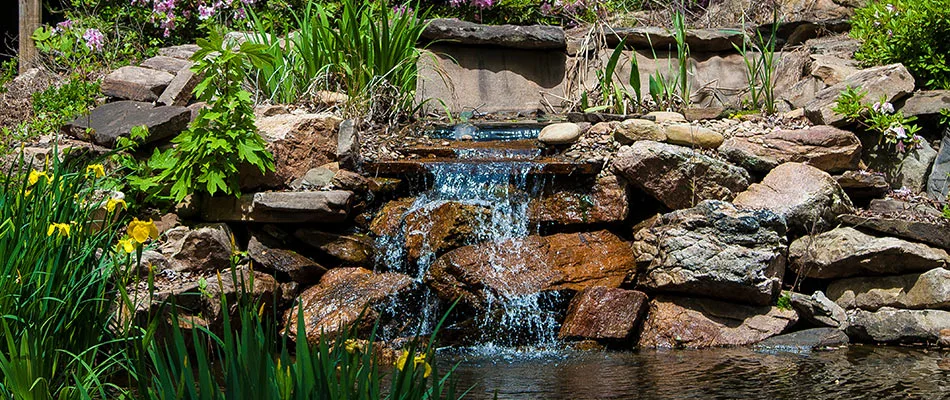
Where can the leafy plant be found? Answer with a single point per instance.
(615, 97)
(206, 157)
(911, 32)
(893, 127)
(682, 56)
(57, 106)
(760, 68)
(784, 301)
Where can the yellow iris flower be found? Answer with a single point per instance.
(36, 175)
(416, 361)
(141, 231)
(126, 245)
(55, 226)
(112, 203)
(96, 169)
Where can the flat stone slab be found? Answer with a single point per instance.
(281, 207)
(924, 103)
(110, 121)
(183, 52)
(181, 88)
(542, 167)
(893, 82)
(889, 325)
(136, 83)
(926, 232)
(699, 40)
(533, 37)
(163, 63)
(805, 341)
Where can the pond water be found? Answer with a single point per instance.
(858, 372)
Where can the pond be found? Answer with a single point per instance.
(858, 372)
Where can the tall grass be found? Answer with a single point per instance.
(56, 282)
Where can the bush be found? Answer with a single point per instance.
(55, 107)
(912, 32)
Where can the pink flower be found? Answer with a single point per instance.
(93, 39)
(205, 12)
(239, 13)
(482, 4)
(456, 3)
(900, 147)
(402, 9)
(63, 26)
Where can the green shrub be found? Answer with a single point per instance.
(57, 106)
(880, 118)
(912, 32)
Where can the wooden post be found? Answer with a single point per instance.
(30, 15)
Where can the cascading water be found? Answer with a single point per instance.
(499, 182)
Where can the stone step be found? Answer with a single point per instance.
(542, 166)
(507, 149)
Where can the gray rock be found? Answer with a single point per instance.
(932, 233)
(910, 170)
(164, 63)
(268, 255)
(699, 40)
(937, 182)
(348, 145)
(278, 207)
(805, 341)
(824, 147)
(831, 69)
(677, 176)
(693, 136)
(808, 198)
(183, 52)
(714, 250)
(819, 310)
(889, 325)
(181, 89)
(926, 103)
(862, 187)
(315, 178)
(110, 121)
(930, 289)
(534, 37)
(891, 81)
(633, 130)
(846, 252)
(560, 133)
(135, 83)
(205, 249)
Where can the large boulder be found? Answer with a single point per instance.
(279, 207)
(824, 147)
(680, 322)
(714, 250)
(518, 267)
(135, 83)
(937, 182)
(267, 254)
(204, 249)
(846, 252)
(533, 37)
(892, 82)
(889, 325)
(348, 250)
(677, 176)
(930, 289)
(110, 121)
(807, 197)
(603, 201)
(440, 227)
(602, 313)
(164, 63)
(909, 170)
(931, 231)
(699, 40)
(351, 298)
(299, 143)
(926, 103)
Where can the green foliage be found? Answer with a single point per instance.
(893, 127)
(682, 56)
(8, 71)
(911, 32)
(614, 97)
(672, 87)
(55, 279)
(57, 106)
(784, 301)
(761, 68)
(206, 157)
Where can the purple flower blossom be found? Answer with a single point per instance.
(402, 9)
(163, 6)
(93, 39)
(899, 131)
(900, 147)
(482, 4)
(63, 26)
(205, 12)
(240, 14)
(885, 107)
(456, 3)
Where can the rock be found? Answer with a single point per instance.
(808, 198)
(277, 207)
(824, 147)
(135, 83)
(845, 252)
(677, 176)
(909, 171)
(507, 269)
(183, 52)
(862, 186)
(633, 130)
(349, 180)
(926, 103)
(893, 82)
(164, 63)
(937, 182)
(801, 92)
(389, 218)
(384, 186)
(348, 145)
(110, 121)
(699, 40)
(901, 208)
(831, 69)
(533, 37)
(560, 133)
(299, 143)
(315, 178)
(666, 117)
(930, 289)
(680, 322)
(604, 201)
(440, 227)
(205, 249)
(349, 250)
(818, 310)
(703, 113)
(805, 341)
(602, 313)
(180, 90)
(266, 254)
(348, 297)
(327, 98)
(889, 325)
(693, 136)
(931, 233)
(714, 250)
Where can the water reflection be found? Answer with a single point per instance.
(860, 372)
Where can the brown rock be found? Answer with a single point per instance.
(693, 136)
(932, 233)
(926, 103)
(278, 207)
(517, 267)
(893, 82)
(930, 289)
(824, 147)
(388, 220)
(603, 313)
(135, 83)
(266, 254)
(183, 52)
(604, 202)
(862, 187)
(350, 250)
(632, 130)
(831, 69)
(349, 180)
(298, 142)
(446, 226)
(164, 63)
(808, 198)
(203, 249)
(677, 322)
(180, 90)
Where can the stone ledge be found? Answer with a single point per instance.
(533, 37)
(281, 207)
